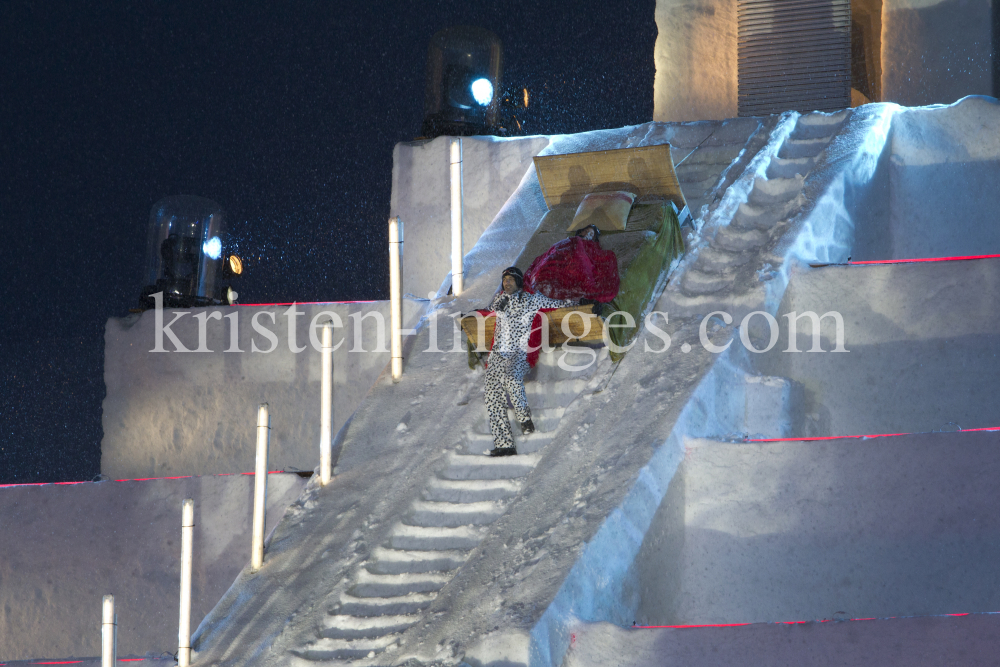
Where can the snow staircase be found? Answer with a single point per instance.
(730, 261)
(454, 512)
(395, 549)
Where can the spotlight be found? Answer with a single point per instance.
(482, 90)
(233, 266)
(464, 67)
(184, 254)
(212, 247)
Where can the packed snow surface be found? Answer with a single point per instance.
(423, 550)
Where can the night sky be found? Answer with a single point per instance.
(284, 113)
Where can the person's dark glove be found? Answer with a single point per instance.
(501, 303)
(598, 307)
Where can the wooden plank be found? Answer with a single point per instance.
(577, 319)
(647, 171)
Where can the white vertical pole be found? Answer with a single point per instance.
(457, 203)
(109, 633)
(396, 295)
(326, 405)
(184, 624)
(260, 488)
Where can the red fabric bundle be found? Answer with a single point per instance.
(574, 268)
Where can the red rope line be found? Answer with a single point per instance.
(962, 258)
(297, 303)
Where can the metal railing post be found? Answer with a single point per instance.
(109, 633)
(260, 488)
(326, 405)
(184, 623)
(457, 212)
(396, 295)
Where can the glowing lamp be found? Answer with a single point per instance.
(482, 91)
(184, 253)
(233, 266)
(212, 247)
(464, 67)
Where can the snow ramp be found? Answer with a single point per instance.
(423, 551)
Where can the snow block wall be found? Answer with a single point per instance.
(492, 169)
(194, 412)
(924, 641)
(921, 343)
(932, 52)
(64, 546)
(695, 54)
(943, 169)
(834, 529)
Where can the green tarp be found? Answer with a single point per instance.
(640, 278)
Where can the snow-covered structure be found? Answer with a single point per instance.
(183, 387)
(678, 486)
(62, 546)
(423, 549)
(918, 52)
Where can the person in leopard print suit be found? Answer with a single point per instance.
(507, 363)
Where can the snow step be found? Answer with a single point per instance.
(557, 394)
(396, 561)
(696, 281)
(435, 539)
(715, 260)
(345, 649)
(545, 420)
(738, 240)
(452, 515)
(370, 585)
(817, 125)
(787, 168)
(753, 217)
(793, 148)
(775, 190)
(470, 491)
(385, 606)
(483, 467)
(354, 627)
(480, 443)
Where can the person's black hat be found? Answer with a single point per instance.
(516, 273)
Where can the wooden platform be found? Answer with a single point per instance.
(578, 320)
(647, 172)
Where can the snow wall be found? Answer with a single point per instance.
(928, 641)
(64, 546)
(933, 51)
(492, 168)
(194, 411)
(834, 529)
